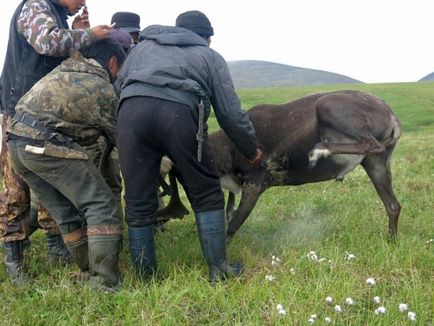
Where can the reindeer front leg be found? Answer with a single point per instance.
(249, 197)
(230, 206)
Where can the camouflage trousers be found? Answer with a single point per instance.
(15, 201)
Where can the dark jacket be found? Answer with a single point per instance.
(23, 66)
(46, 43)
(176, 64)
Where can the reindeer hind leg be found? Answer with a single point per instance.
(378, 169)
(175, 208)
(334, 142)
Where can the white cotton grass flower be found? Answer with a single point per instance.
(280, 309)
(270, 278)
(380, 310)
(312, 256)
(429, 241)
(312, 318)
(349, 256)
(377, 300)
(411, 315)
(292, 271)
(370, 281)
(349, 301)
(328, 320)
(275, 260)
(338, 308)
(329, 300)
(403, 307)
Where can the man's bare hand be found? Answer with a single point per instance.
(257, 158)
(101, 31)
(81, 21)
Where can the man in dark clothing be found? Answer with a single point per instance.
(168, 83)
(39, 39)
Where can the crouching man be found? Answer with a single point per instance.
(69, 108)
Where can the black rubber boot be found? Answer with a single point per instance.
(212, 235)
(14, 260)
(57, 250)
(103, 262)
(79, 251)
(142, 248)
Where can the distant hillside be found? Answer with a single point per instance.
(260, 74)
(429, 77)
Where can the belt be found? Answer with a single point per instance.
(49, 134)
(31, 122)
(38, 142)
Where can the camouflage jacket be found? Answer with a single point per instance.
(76, 99)
(38, 26)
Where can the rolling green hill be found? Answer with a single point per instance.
(258, 74)
(429, 77)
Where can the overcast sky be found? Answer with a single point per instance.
(370, 40)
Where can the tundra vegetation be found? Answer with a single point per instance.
(333, 262)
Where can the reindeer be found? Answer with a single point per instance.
(315, 138)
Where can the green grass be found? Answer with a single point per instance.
(329, 218)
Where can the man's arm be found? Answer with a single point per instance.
(108, 103)
(38, 26)
(233, 120)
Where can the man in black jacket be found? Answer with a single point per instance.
(168, 83)
(39, 39)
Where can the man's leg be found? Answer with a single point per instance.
(111, 172)
(83, 189)
(14, 213)
(107, 163)
(41, 218)
(140, 165)
(202, 185)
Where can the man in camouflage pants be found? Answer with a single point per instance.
(69, 108)
(39, 39)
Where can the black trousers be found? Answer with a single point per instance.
(148, 129)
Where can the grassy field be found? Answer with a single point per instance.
(335, 220)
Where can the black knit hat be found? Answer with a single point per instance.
(195, 21)
(126, 21)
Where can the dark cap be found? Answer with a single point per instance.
(126, 21)
(122, 37)
(195, 21)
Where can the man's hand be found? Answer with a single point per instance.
(81, 21)
(257, 158)
(101, 31)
